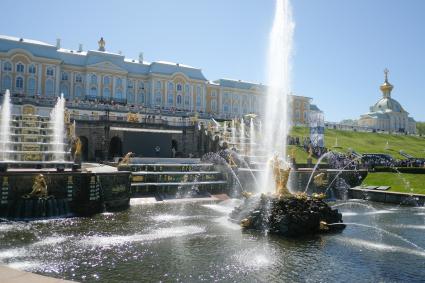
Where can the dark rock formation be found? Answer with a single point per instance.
(288, 216)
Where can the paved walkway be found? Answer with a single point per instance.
(10, 275)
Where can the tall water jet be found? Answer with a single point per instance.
(233, 133)
(5, 117)
(276, 123)
(242, 137)
(253, 143)
(57, 124)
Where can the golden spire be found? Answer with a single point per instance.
(386, 87)
(101, 43)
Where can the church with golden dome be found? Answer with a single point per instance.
(387, 114)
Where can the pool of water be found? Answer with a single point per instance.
(194, 241)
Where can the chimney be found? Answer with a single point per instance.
(141, 57)
(58, 43)
(80, 47)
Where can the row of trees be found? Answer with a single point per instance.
(420, 126)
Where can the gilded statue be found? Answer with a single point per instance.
(76, 149)
(132, 117)
(310, 152)
(231, 161)
(280, 176)
(126, 159)
(39, 188)
(320, 180)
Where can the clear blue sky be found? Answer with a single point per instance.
(341, 46)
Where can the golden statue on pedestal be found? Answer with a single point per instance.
(280, 176)
(132, 117)
(39, 188)
(76, 149)
(126, 159)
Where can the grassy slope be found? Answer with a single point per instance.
(370, 142)
(406, 183)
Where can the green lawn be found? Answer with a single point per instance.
(406, 183)
(370, 142)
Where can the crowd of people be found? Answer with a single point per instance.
(352, 160)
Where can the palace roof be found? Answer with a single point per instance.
(90, 57)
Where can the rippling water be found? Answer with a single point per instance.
(194, 241)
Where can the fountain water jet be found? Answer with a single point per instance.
(5, 127)
(242, 137)
(252, 137)
(57, 117)
(278, 79)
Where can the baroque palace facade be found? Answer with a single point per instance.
(31, 68)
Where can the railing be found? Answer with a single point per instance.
(114, 105)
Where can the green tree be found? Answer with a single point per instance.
(420, 126)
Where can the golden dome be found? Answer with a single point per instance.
(386, 87)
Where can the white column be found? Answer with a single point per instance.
(113, 87)
(87, 84)
(1, 69)
(57, 80)
(165, 102)
(192, 91)
(39, 78)
(124, 85)
(204, 97)
(71, 85)
(220, 101)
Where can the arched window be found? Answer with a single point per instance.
(158, 98)
(170, 93)
(78, 78)
(20, 68)
(198, 100)
(31, 86)
(141, 85)
(93, 91)
(31, 69)
(93, 79)
(119, 82)
(213, 105)
(186, 99)
(65, 90)
(187, 89)
(179, 99)
(106, 80)
(179, 87)
(6, 82)
(19, 84)
(118, 93)
(106, 92)
(78, 91)
(7, 67)
(50, 72)
(64, 76)
(130, 96)
(141, 97)
(226, 108)
(130, 93)
(49, 87)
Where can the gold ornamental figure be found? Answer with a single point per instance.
(39, 188)
(126, 159)
(280, 176)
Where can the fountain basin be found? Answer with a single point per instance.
(70, 193)
(288, 216)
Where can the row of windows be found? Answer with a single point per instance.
(20, 68)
